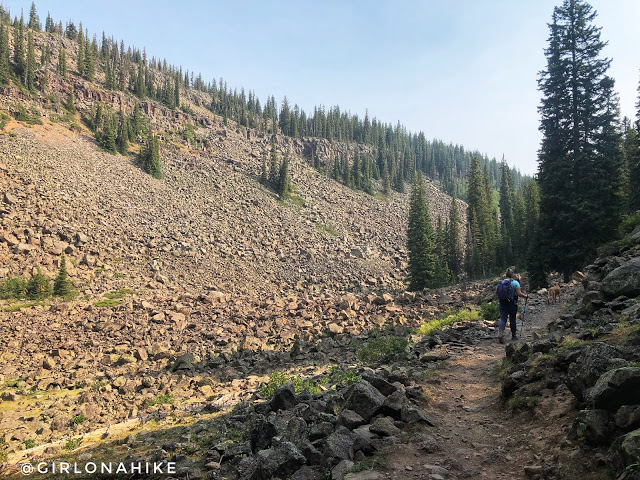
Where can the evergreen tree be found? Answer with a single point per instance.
(39, 286)
(4, 55)
(150, 157)
(80, 60)
(386, 183)
(454, 250)
(420, 239)
(18, 50)
(580, 157)
(62, 285)
(62, 64)
(122, 140)
(506, 216)
(633, 158)
(273, 166)
(284, 179)
(34, 20)
(30, 70)
(264, 172)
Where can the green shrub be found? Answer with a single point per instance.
(449, 318)
(382, 349)
(29, 443)
(78, 419)
(629, 222)
(39, 286)
(489, 311)
(71, 444)
(15, 287)
(162, 399)
(279, 378)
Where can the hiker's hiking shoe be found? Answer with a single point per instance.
(501, 338)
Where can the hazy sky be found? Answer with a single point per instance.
(463, 72)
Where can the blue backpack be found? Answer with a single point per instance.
(505, 292)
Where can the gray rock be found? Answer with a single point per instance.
(341, 469)
(364, 399)
(307, 473)
(184, 362)
(592, 427)
(282, 461)
(350, 419)
(628, 417)
(630, 448)
(284, 398)
(593, 361)
(412, 414)
(624, 280)
(261, 433)
(380, 384)
(363, 440)
(384, 426)
(365, 475)
(616, 388)
(339, 446)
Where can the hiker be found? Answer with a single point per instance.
(508, 293)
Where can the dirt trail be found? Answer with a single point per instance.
(478, 436)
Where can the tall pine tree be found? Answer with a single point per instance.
(420, 239)
(580, 157)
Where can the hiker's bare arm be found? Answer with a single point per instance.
(520, 294)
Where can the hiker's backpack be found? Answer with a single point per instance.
(505, 292)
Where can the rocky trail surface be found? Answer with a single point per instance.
(478, 434)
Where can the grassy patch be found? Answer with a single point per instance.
(280, 378)
(502, 370)
(522, 402)
(449, 318)
(162, 399)
(19, 306)
(108, 302)
(324, 227)
(4, 118)
(78, 419)
(97, 385)
(382, 349)
(119, 293)
(366, 464)
(31, 117)
(71, 444)
(29, 443)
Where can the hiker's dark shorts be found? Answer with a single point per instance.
(508, 310)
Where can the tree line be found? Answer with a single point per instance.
(400, 153)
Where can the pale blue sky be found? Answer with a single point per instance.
(463, 72)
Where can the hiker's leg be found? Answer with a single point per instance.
(512, 317)
(504, 313)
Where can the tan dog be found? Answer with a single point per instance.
(554, 293)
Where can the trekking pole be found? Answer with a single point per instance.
(524, 310)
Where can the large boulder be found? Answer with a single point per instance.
(631, 447)
(593, 361)
(615, 388)
(282, 461)
(364, 399)
(624, 280)
(593, 427)
(284, 398)
(628, 417)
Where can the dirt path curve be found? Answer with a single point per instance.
(476, 435)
